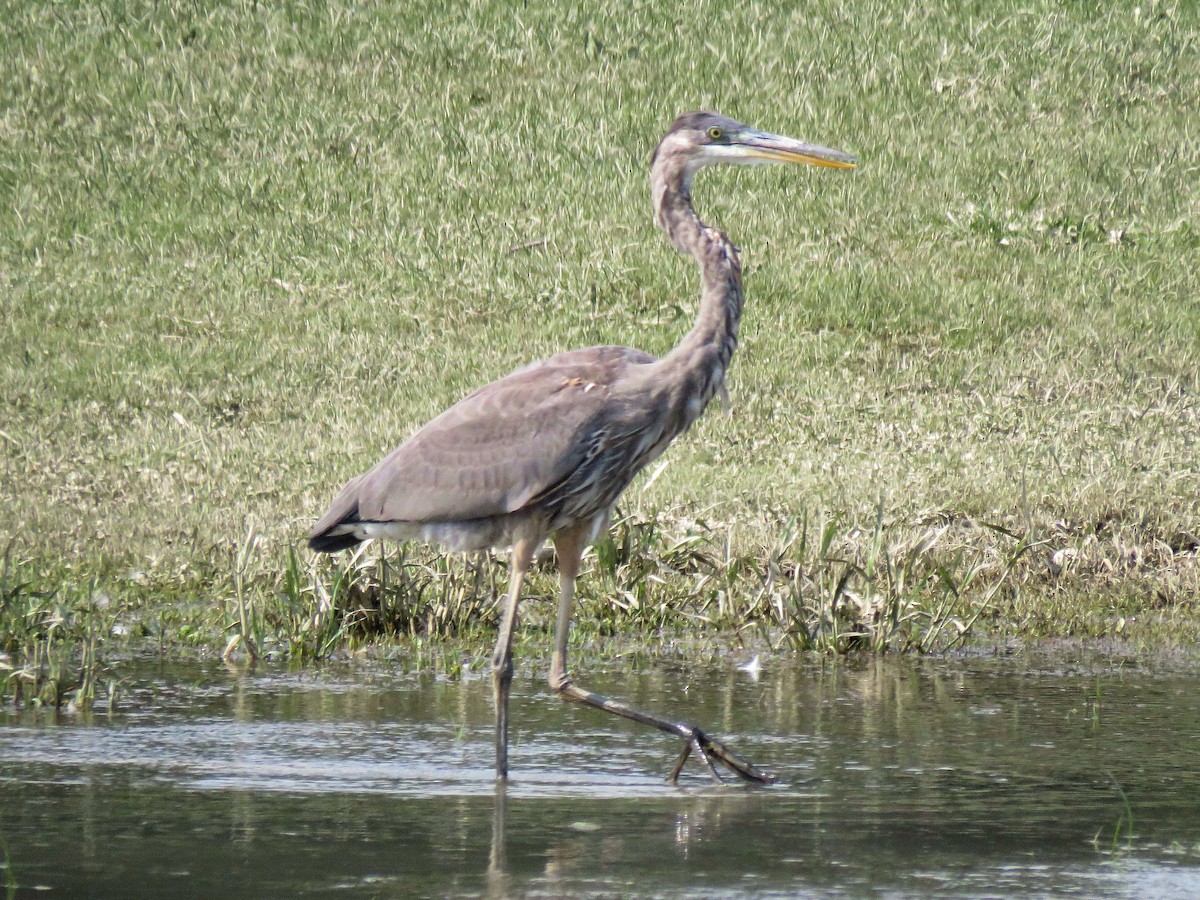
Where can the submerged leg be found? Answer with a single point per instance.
(502, 666)
(569, 544)
(497, 871)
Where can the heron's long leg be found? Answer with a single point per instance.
(502, 666)
(569, 543)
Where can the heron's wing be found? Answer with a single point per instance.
(498, 449)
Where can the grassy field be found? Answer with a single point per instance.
(246, 248)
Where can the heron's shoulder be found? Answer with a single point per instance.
(598, 365)
(568, 386)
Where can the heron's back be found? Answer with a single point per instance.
(559, 439)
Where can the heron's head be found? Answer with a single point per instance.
(701, 139)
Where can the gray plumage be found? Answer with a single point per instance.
(552, 437)
(547, 450)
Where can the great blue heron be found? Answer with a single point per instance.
(546, 451)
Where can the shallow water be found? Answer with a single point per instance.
(1040, 775)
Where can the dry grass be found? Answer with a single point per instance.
(246, 249)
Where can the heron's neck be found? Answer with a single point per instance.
(695, 369)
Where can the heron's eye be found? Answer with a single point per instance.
(715, 133)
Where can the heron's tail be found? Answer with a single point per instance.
(332, 543)
(328, 535)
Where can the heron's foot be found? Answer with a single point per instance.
(707, 749)
(711, 750)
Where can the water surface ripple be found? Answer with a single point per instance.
(1050, 775)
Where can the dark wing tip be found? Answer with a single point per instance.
(343, 511)
(332, 543)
